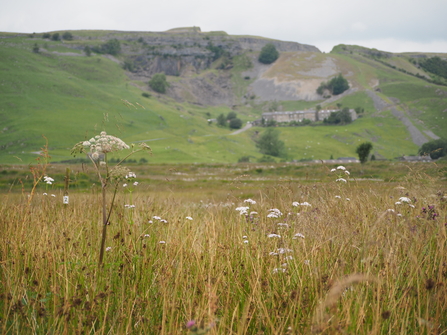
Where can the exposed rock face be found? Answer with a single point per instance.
(187, 53)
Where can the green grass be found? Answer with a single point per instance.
(363, 266)
(68, 99)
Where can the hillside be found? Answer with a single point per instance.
(66, 95)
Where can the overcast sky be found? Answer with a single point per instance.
(389, 25)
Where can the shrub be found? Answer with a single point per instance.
(55, 37)
(67, 36)
(270, 144)
(158, 83)
(146, 95)
(88, 51)
(36, 48)
(436, 149)
(363, 151)
(336, 85)
(235, 123)
(268, 54)
(46, 35)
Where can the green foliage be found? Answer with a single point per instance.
(244, 159)
(88, 51)
(435, 65)
(146, 95)
(36, 48)
(268, 54)
(339, 117)
(111, 47)
(158, 83)
(221, 120)
(55, 37)
(67, 36)
(270, 144)
(217, 51)
(336, 85)
(46, 35)
(436, 149)
(363, 151)
(231, 115)
(235, 123)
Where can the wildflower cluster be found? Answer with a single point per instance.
(48, 180)
(341, 172)
(100, 145)
(429, 213)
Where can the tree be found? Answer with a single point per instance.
(221, 120)
(363, 151)
(111, 47)
(55, 37)
(235, 123)
(36, 48)
(268, 54)
(231, 115)
(339, 84)
(88, 51)
(336, 85)
(158, 83)
(67, 36)
(270, 144)
(436, 149)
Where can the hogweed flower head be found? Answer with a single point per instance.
(100, 145)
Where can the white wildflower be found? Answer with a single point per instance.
(163, 221)
(405, 199)
(295, 203)
(298, 235)
(135, 183)
(398, 203)
(283, 250)
(162, 242)
(347, 172)
(307, 262)
(146, 235)
(124, 185)
(45, 193)
(244, 237)
(253, 213)
(188, 218)
(341, 168)
(347, 199)
(390, 210)
(305, 203)
(156, 217)
(245, 241)
(242, 210)
(338, 197)
(108, 248)
(274, 235)
(283, 225)
(342, 179)
(288, 257)
(53, 195)
(276, 270)
(250, 201)
(333, 170)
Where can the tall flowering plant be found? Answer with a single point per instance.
(97, 149)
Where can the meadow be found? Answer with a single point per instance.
(227, 249)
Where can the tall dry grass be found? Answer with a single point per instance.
(359, 269)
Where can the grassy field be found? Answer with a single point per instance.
(185, 247)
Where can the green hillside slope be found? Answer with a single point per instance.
(67, 97)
